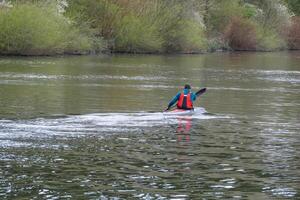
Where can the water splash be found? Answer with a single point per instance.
(96, 124)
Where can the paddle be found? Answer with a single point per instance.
(198, 93)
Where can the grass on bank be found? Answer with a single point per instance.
(36, 29)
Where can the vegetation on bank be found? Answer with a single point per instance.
(31, 27)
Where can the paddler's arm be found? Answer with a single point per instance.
(194, 96)
(173, 101)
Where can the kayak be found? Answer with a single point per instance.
(182, 112)
(178, 111)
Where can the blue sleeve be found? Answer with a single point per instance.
(174, 100)
(194, 96)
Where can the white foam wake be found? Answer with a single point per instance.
(97, 123)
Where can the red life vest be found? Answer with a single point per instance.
(185, 101)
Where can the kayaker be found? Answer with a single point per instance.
(184, 99)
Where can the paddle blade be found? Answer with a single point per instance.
(200, 92)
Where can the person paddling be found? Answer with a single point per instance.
(184, 99)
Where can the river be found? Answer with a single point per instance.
(91, 127)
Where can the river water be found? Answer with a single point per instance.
(91, 127)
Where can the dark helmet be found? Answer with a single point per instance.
(187, 86)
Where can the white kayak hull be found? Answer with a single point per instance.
(198, 110)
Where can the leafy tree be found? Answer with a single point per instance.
(294, 6)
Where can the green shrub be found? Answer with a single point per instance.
(129, 26)
(214, 44)
(269, 40)
(249, 10)
(179, 32)
(123, 30)
(133, 34)
(273, 15)
(163, 19)
(188, 37)
(294, 6)
(34, 29)
(193, 37)
(100, 15)
(221, 14)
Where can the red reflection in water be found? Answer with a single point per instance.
(183, 129)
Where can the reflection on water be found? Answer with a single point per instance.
(184, 127)
(91, 128)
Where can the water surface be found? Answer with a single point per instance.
(91, 127)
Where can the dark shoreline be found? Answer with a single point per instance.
(147, 53)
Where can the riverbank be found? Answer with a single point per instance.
(108, 53)
(80, 27)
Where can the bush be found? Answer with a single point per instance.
(100, 15)
(215, 44)
(294, 6)
(269, 40)
(273, 15)
(179, 33)
(34, 29)
(240, 34)
(134, 34)
(221, 15)
(162, 19)
(124, 29)
(293, 34)
(187, 38)
(132, 26)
